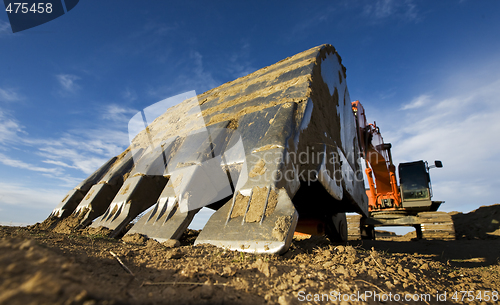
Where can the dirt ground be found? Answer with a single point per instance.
(40, 266)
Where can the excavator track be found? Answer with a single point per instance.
(428, 225)
(354, 227)
(436, 225)
(357, 228)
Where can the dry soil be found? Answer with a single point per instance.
(40, 266)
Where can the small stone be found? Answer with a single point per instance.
(425, 266)
(174, 254)
(273, 270)
(296, 286)
(135, 238)
(81, 297)
(268, 297)
(401, 272)
(39, 283)
(411, 276)
(207, 290)
(152, 244)
(227, 271)
(285, 300)
(282, 286)
(389, 285)
(27, 245)
(327, 265)
(169, 291)
(342, 270)
(14, 268)
(262, 267)
(171, 243)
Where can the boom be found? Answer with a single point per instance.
(383, 192)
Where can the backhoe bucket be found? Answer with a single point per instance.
(257, 150)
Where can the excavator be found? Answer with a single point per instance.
(408, 204)
(276, 151)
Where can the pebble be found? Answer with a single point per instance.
(286, 300)
(171, 243)
(207, 290)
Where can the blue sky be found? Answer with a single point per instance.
(427, 71)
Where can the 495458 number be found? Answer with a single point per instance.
(24, 8)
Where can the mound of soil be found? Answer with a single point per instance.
(40, 266)
(483, 223)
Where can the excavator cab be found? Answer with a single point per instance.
(415, 186)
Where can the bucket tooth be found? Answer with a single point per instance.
(73, 198)
(141, 190)
(165, 221)
(68, 204)
(137, 194)
(261, 217)
(96, 202)
(246, 223)
(101, 194)
(172, 214)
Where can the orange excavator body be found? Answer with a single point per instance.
(379, 166)
(390, 204)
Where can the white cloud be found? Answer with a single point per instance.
(85, 151)
(312, 17)
(67, 82)
(194, 76)
(67, 181)
(59, 163)
(9, 127)
(20, 164)
(5, 28)
(147, 40)
(36, 203)
(382, 9)
(118, 113)
(129, 95)
(9, 95)
(239, 63)
(461, 129)
(202, 77)
(80, 160)
(417, 102)
(159, 29)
